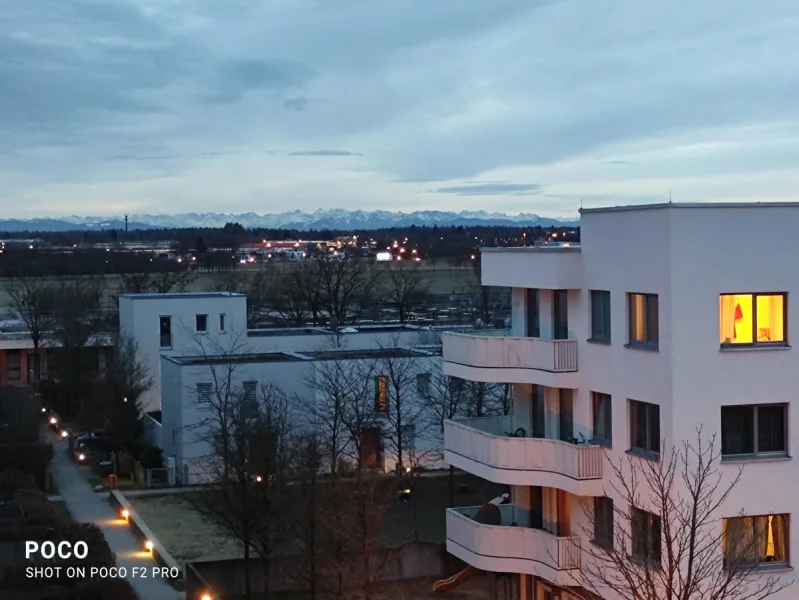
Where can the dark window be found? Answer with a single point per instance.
(565, 415)
(423, 384)
(539, 412)
(250, 398)
(222, 322)
(752, 541)
(600, 316)
(560, 315)
(408, 439)
(536, 507)
(753, 319)
(204, 393)
(644, 427)
(165, 329)
(752, 430)
(603, 521)
(533, 319)
(645, 535)
(603, 418)
(643, 316)
(14, 365)
(201, 323)
(381, 394)
(456, 386)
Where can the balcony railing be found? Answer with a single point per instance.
(488, 440)
(492, 351)
(513, 539)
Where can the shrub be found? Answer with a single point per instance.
(28, 457)
(95, 589)
(152, 457)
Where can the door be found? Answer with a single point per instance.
(565, 415)
(539, 413)
(545, 592)
(560, 315)
(371, 448)
(532, 322)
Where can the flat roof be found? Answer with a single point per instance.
(156, 295)
(546, 249)
(277, 357)
(663, 205)
(278, 332)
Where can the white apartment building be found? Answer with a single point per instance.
(214, 323)
(665, 318)
(194, 386)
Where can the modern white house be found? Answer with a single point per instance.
(663, 319)
(194, 389)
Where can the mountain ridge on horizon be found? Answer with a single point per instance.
(320, 219)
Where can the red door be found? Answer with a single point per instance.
(371, 448)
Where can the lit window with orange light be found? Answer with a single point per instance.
(752, 319)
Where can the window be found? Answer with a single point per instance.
(600, 316)
(456, 386)
(201, 323)
(603, 418)
(203, 393)
(565, 415)
(381, 394)
(221, 321)
(754, 430)
(749, 541)
(645, 535)
(752, 319)
(560, 315)
(250, 397)
(165, 329)
(423, 384)
(14, 365)
(603, 522)
(532, 318)
(643, 315)
(644, 427)
(408, 439)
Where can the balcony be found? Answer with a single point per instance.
(512, 547)
(485, 447)
(545, 268)
(491, 356)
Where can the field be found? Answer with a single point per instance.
(188, 536)
(440, 277)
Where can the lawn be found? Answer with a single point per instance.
(188, 536)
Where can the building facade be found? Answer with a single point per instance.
(656, 325)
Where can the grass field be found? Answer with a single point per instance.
(188, 536)
(440, 279)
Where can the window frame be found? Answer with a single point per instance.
(201, 318)
(423, 382)
(600, 440)
(604, 539)
(756, 454)
(203, 398)
(603, 333)
(161, 333)
(222, 322)
(758, 564)
(649, 520)
(532, 313)
(634, 407)
(754, 343)
(17, 368)
(649, 300)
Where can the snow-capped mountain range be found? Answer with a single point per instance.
(331, 218)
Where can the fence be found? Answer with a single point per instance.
(159, 478)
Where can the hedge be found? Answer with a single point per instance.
(95, 589)
(39, 512)
(28, 457)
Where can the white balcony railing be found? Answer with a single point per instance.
(513, 539)
(488, 441)
(501, 352)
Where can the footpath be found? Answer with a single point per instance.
(88, 506)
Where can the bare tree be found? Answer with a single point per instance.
(488, 304)
(258, 287)
(159, 282)
(33, 301)
(127, 379)
(404, 287)
(345, 286)
(669, 539)
(292, 297)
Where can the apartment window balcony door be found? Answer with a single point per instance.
(565, 415)
(532, 314)
(560, 315)
(538, 428)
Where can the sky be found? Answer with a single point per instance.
(170, 106)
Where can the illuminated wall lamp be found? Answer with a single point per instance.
(149, 545)
(125, 514)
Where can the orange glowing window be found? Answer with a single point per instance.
(381, 394)
(752, 319)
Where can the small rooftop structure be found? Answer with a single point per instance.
(170, 295)
(276, 357)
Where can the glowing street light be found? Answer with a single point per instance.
(149, 545)
(53, 420)
(125, 514)
(81, 457)
(64, 434)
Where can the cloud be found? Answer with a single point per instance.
(449, 104)
(492, 189)
(324, 153)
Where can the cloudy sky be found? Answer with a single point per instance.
(164, 106)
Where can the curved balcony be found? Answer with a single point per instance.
(512, 547)
(492, 356)
(486, 447)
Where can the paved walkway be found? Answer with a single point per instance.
(89, 506)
